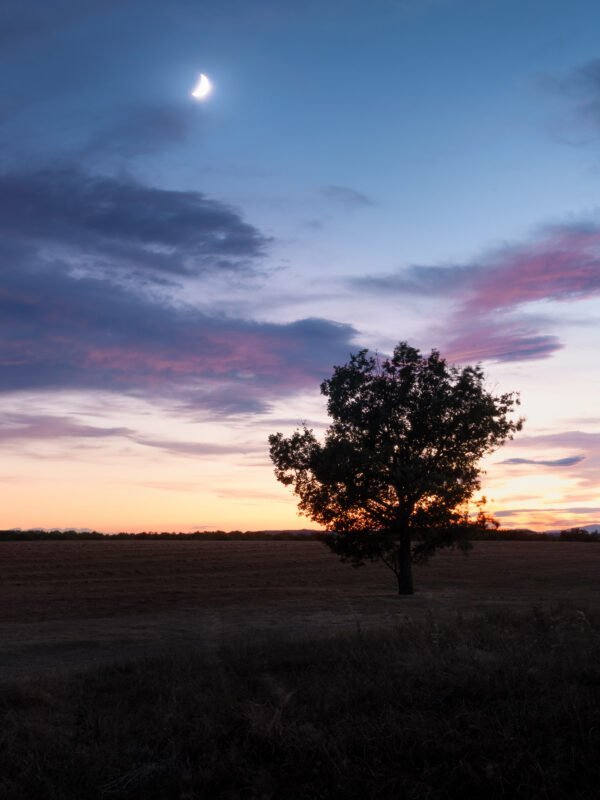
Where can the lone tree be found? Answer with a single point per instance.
(399, 464)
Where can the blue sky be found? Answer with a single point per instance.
(178, 277)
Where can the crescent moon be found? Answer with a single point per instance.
(203, 88)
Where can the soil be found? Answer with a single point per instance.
(71, 605)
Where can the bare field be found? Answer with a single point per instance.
(74, 604)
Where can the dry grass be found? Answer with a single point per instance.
(503, 705)
(292, 675)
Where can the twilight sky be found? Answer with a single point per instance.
(176, 278)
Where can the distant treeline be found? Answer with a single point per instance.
(526, 535)
(59, 535)
(516, 535)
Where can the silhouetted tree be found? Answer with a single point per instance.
(399, 463)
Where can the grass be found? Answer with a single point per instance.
(504, 705)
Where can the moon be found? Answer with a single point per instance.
(203, 88)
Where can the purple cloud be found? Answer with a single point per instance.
(37, 427)
(583, 511)
(14, 427)
(58, 331)
(101, 223)
(569, 461)
(77, 252)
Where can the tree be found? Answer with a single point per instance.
(399, 463)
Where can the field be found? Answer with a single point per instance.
(145, 670)
(65, 605)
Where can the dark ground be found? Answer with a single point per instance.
(68, 605)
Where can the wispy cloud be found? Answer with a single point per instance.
(584, 511)
(490, 296)
(138, 131)
(20, 19)
(477, 338)
(15, 427)
(346, 196)
(417, 279)
(580, 88)
(18, 428)
(548, 450)
(195, 449)
(566, 439)
(569, 461)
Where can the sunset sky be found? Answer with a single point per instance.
(177, 277)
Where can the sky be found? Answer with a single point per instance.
(178, 277)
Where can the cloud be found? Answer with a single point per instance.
(513, 512)
(21, 19)
(587, 78)
(562, 265)
(490, 321)
(477, 338)
(106, 223)
(173, 486)
(346, 196)
(14, 427)
(59, 331)
(419, 280)
(78, 254)
(566, 439)
(18, 428)
(569, 461)
(251, 494)
(142, 130)
(584, 468)
(195, 448)
(581, 88)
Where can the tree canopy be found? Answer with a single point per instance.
(400, 461)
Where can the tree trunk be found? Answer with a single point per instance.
(404, 574)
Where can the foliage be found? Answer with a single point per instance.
(399, 463)
(579, 535)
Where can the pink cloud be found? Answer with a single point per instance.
(90, 333)
(490, 324)
(563, 266)
(490, 295)
(478, 339)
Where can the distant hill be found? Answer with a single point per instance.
(594, 528)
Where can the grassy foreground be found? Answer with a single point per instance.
(505, 705)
